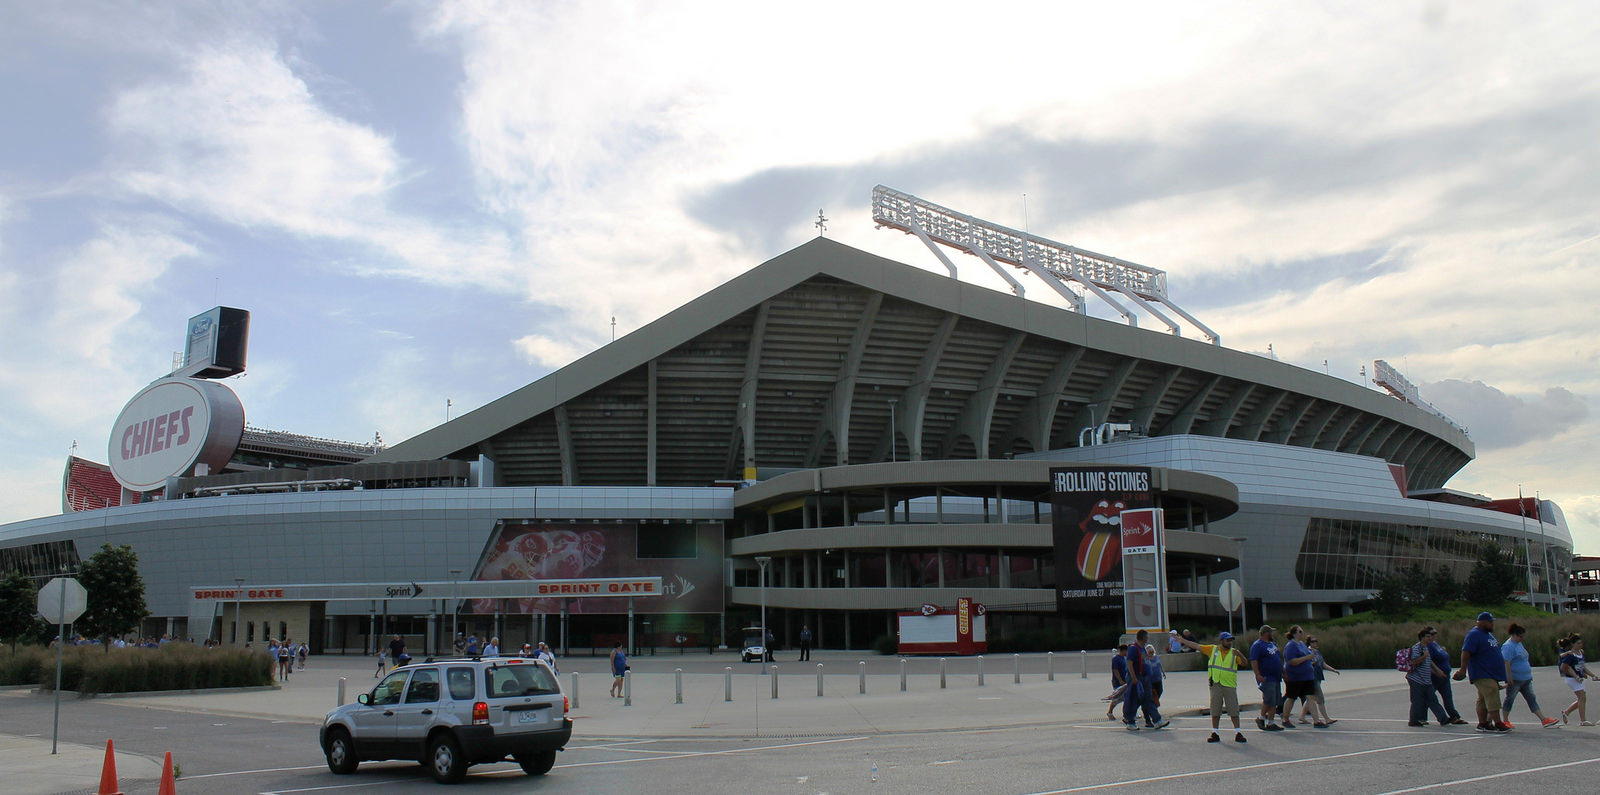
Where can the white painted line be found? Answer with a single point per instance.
(687, 754)
(1261, 765)
(249, 772)
(1443, 784)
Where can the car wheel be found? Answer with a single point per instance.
(341, 752)
(537, 764)
(445, 760)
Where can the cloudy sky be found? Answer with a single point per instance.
(431, 202)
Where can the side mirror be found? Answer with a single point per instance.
(364, 699)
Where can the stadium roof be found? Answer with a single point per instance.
(801, 361)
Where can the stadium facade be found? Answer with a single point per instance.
(871, 436)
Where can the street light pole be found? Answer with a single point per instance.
(766, 645)
(455, 607)
(238, 606)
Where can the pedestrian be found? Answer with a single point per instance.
(1223, 662)
(1441, 684)
(1157, 675)
(545, 654)
(1317, 706)
(1119, 680)
(383, 662)
(1139, 696)
(1268, 668)
(805, 643)
(473, 647)
(1519, 676)
(1573, 672)
(1423, 697)
(619, 668)
(1173, 644)
(527, 651)
(397, 647)
(1482, 665)
(285, 661)
(1299, 674)
(492, 648)
(460, 644)
(768, 646)
(301, 653)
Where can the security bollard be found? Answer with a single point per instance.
(819, 680)
(980, 670)
(863, 668)
(627, 688)
(1050, 664)
(902, 674)
(1016, 669)
(727, 684)
(941, 673)
(341, 692)
(1083, 664)
(574, 689)
(774, 682)
(678, 675)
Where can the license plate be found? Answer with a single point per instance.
(529, 716)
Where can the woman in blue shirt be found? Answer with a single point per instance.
(1519, 675)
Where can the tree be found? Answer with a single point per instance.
(1493, 577)
(19, 603)
(116, 593)
(1443, 587)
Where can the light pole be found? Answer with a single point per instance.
(455, 608)
(894, 434)
(238, 605)
(766, 645)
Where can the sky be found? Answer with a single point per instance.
(432, 202)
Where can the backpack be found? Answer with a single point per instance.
(1402, 660)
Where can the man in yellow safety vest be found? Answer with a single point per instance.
(1223, 662)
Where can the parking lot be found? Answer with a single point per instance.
(1035, 736)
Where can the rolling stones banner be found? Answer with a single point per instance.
(1086, 519)
(690, 568)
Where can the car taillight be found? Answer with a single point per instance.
(480, 713)
(565, 705)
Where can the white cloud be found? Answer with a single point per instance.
(547, 352)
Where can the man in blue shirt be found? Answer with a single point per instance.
(1119, 677)
(1140, 696)
(1482, 665)
(1299, 672)
(1268, 667)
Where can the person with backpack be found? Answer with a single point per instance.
(1420, 671)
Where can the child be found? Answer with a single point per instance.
(383, 662)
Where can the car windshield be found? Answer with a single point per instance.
(506, 681)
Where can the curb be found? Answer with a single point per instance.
(39, 691)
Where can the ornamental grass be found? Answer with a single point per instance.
(90, 670)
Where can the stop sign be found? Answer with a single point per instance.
(62, 600)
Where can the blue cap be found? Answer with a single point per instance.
(1226, 636)
(1485, 616)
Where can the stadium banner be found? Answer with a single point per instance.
(687, 558)
(1086, 521)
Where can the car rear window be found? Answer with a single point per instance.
(507, 681)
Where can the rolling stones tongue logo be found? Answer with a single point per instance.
(1101, 547)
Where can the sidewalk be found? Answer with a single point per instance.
(798, 711)
(30, 768)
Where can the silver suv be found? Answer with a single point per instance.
(451, 713)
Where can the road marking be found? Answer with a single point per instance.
(1495, 776)
(248, 772)
(686, 754)
(1258, 766)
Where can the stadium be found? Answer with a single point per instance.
(831, 436)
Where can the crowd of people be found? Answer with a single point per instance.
(1291, 675)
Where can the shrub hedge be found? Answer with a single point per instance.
(174, 666)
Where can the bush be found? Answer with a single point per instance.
(1373, 644)
(174, 666)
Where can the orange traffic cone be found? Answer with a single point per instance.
(108, 773)
(168, 785)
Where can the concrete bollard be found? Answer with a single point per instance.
(819, 680)
(677, 674)
(1083, 664)
(941, 673)
(1050, 665)
(980, 670)
(627, 688)
(862, 666)
(341, 693)
(902, 674)
(727, 684)
(774, 682)
(1016, 669)
(574, 689)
